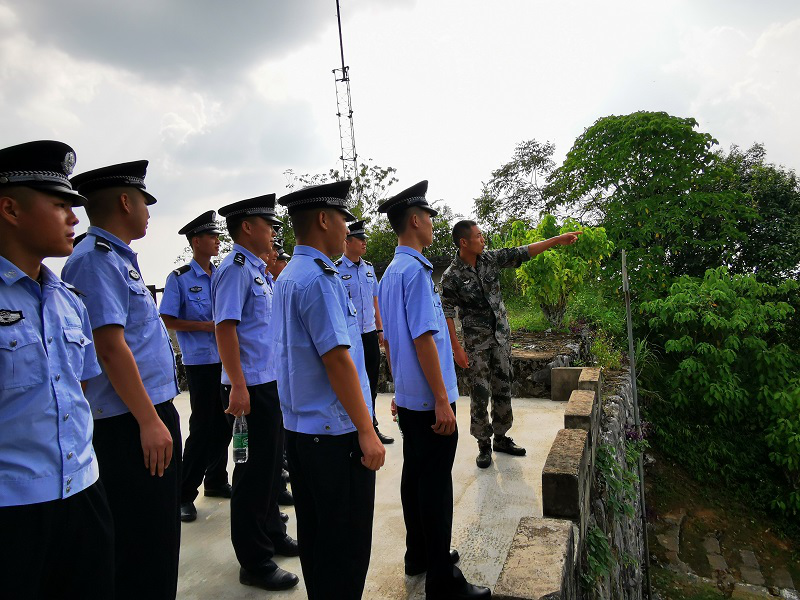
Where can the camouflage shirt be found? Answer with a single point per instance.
(475, 292)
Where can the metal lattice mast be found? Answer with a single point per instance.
(344, 110)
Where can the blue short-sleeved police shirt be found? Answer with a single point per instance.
(187, 296)
(46, 350)
(410, 306)
(313, 315)
(240, 292)
(106, 270)
(362, 286)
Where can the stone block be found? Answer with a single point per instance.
(717, 562)
(781, 578)
(580, 410)
(540, 562)
(742, 591)
(711, 545)
(566, 476)
(563, 380)
(591, 378)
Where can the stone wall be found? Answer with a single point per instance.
(576, 503)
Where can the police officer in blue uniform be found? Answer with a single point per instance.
(332, 447)
(186, 308)
(137, 429)
(281, 260)
(358, 277)
(56, 524)
(242, 313)
(421, 358)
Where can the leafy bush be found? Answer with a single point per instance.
(729, 371)
(604, 351)
(551, 278)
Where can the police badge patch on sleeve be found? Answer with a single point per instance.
(9, 317)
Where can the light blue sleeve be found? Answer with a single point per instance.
(107, 293)
(171, 299)
(419, 305)
(322, 314)
(230, 286)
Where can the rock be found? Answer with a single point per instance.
(711, 545)
(743, 591)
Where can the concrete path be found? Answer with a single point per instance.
(488, 506)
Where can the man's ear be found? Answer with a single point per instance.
(125, 203)
(247, 227)
(9, 209)
(322, 220)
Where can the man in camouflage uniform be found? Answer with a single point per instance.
(471, 284)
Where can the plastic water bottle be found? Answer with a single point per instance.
(240, 440)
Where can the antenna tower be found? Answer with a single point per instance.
(344, 110)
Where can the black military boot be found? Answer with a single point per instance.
(484, 454)
(507, 445)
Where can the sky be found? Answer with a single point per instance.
(223, 98)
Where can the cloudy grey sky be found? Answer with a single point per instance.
(222, 98)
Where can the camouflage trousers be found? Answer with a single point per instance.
(489, 375)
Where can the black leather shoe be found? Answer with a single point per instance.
(284, 517)
(471, 592)
(385, 439)
(223, 492)
(507, 445)
(272, 579)
(188, 512)
(285, 498)
(286, 547)
(413, 571)
(484, 458)
(285, 476)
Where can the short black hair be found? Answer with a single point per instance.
(302, 220)
(234, 225)
(462, 230)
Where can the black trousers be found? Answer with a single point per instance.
(372, 364)
(426, 492)
(334, 500)
(63, 549)
(255, 518)
(146, 508)
(205, 454)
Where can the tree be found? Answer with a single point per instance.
(771, 249)
(661, 193)
(514, 193)
(551, 278)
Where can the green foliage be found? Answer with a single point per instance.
(661, 193)
(552, 277)
(522, 315)
(771, 248)
(605, 352)
(729, 367)
(620, 482)
(594, 306)
(599, 559)
(515, 190)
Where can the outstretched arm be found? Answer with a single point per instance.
(565, 239)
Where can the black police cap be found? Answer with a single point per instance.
(327, 195)
(128, 174)
(408, 198)
(205, 223)
(260, 206)
(43, 165)
(357, 230)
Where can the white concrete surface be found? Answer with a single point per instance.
(488, 506)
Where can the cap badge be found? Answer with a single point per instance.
(68, 163)
(9, 317)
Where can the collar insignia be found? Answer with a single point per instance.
(326, 268)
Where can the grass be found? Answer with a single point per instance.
(522, 315)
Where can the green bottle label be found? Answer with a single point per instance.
(239, 441)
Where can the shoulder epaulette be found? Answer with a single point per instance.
(181, 270)
(367, 262)
(423, 263)
(101, 244)
(338, 262)
(325, 266)
(239, 259)
(74, 290)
